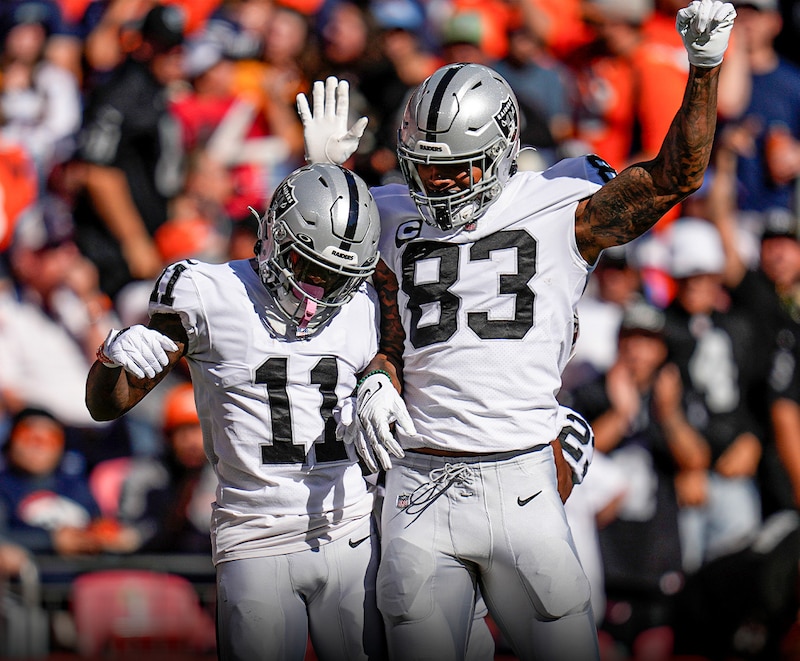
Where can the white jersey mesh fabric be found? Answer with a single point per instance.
(268, 404)
(489, 312)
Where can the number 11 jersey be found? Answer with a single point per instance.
(268, 404)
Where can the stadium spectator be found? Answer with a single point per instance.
(272, 79)
(541, 83)
(52, 312)
(40, 102)
(407, 58)
(463, 40)
(763, 277)
(606, 73)
(716, 351)
(131, 146)
(44, 506)
(350, 50)
(769, 162)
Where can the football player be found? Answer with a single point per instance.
(483, 268)
(274, 345)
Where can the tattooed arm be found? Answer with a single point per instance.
(631, 203)
(390, 353)
(111, 392)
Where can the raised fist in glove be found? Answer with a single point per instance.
(139, 350)
(577, 441)
(705, 27)
(378, 406)
(327, 138)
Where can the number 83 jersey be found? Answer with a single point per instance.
(268, 404)
(489, 313)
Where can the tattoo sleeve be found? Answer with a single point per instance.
(630, 204)
(392, 333)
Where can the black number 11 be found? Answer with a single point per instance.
(273, 373)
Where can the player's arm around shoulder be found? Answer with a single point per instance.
(131, 362)
(631, 203)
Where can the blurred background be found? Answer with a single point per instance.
(135, 133)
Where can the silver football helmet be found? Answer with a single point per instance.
(317, 243)
(465, 115)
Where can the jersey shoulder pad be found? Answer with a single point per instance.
(590, 168)
(175, 289)
(383, 194)
(400, 218)
(369, 290)
(394, 201)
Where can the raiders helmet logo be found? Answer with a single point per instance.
(284, 198)
(506, 118)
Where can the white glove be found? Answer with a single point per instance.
(577, 441)
(378, 405)
(139, 350)
(705, 26)
(349, 430)
(373, 459)
(325, 133)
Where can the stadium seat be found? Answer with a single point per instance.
(135, 612)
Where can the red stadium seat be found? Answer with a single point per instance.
(139, 612)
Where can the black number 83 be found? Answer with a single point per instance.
(439, 291)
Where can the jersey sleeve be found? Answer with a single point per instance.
(176, 292)
(400, 220)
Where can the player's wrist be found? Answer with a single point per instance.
(704, 63)
(102, 353)
(103, 359)
(364, 378)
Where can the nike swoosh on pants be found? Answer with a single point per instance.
(522, 502)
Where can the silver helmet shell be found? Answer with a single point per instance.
(317, 243)
(465, 114)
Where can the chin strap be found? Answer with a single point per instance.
(310, 306)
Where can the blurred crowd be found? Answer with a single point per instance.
(134, 134)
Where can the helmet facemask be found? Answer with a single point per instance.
(453, 208)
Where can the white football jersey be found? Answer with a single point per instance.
(268, 405)
(490, 313)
